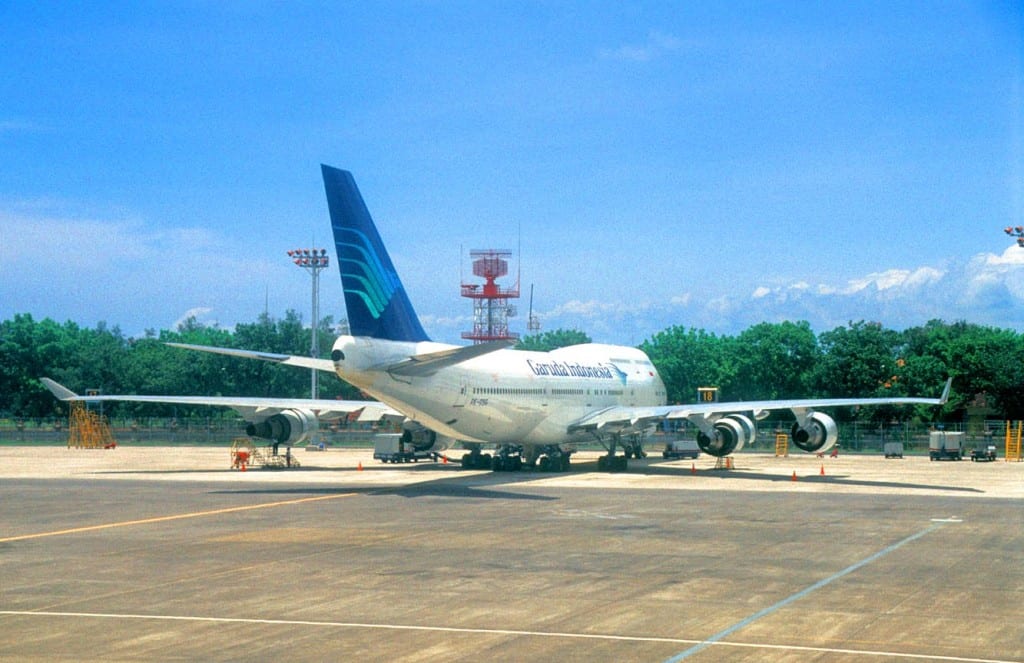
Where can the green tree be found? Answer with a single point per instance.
(551, 340)
(772, 361)
(689, 358)
(857, 360)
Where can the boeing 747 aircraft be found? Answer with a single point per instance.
(532, 407)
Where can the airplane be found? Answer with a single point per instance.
(533, 407)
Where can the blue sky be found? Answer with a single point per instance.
(711, 165)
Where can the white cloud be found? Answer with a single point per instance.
(127, 273)
(985, 289)
(199, 313)
(18, 126)
(657, 45)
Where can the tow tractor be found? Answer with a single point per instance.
(983, 453)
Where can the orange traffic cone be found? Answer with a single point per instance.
(822, 469)
(444, 460)
(693, 468)
(794, 476)
(360, 466)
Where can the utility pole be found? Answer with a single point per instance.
(313, 261)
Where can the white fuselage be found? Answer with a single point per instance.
(506, 396)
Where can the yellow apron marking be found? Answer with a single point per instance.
(180, 516)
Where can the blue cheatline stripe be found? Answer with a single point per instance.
(799, 595)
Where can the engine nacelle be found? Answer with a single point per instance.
(818, 435)
(731, 434)
(291, 427)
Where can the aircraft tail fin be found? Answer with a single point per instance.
(374, 296)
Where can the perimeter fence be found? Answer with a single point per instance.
(157, 431)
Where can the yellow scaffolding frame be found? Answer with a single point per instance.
(88, 430)
(781, 445)
(246, 454)
(1013, 439)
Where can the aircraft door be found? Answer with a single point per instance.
(462, 394)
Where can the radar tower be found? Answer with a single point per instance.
(491, 307)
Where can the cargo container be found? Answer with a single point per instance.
(893, 449)
(943, 445)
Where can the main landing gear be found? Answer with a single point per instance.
(512, 458)
(631, 448)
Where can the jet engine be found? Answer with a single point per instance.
(731, 434)
(291, 427)
(818, 433)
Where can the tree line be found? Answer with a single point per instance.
(103, 358)
(766, 361)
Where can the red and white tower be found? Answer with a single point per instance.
(491, 308)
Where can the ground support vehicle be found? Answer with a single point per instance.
(983, 453)
(893, 449)
(943, 445)
(391, 448)
(675, 449)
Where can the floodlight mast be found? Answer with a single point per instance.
(313, 261)
(1016, 231)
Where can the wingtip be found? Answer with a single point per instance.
(945, 391)
(58, 390)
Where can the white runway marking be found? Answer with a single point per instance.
(485, 631)
(716, 638)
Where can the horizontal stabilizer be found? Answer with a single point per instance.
(287, 360)
(431, 362)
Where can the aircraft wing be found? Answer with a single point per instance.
(629, 419)
(252, 409)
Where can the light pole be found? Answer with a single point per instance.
(313, 261)
(1017, 232)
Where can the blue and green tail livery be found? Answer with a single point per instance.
(374, 296)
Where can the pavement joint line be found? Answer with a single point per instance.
(179, 516)
(485, 631)
(716, 638)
